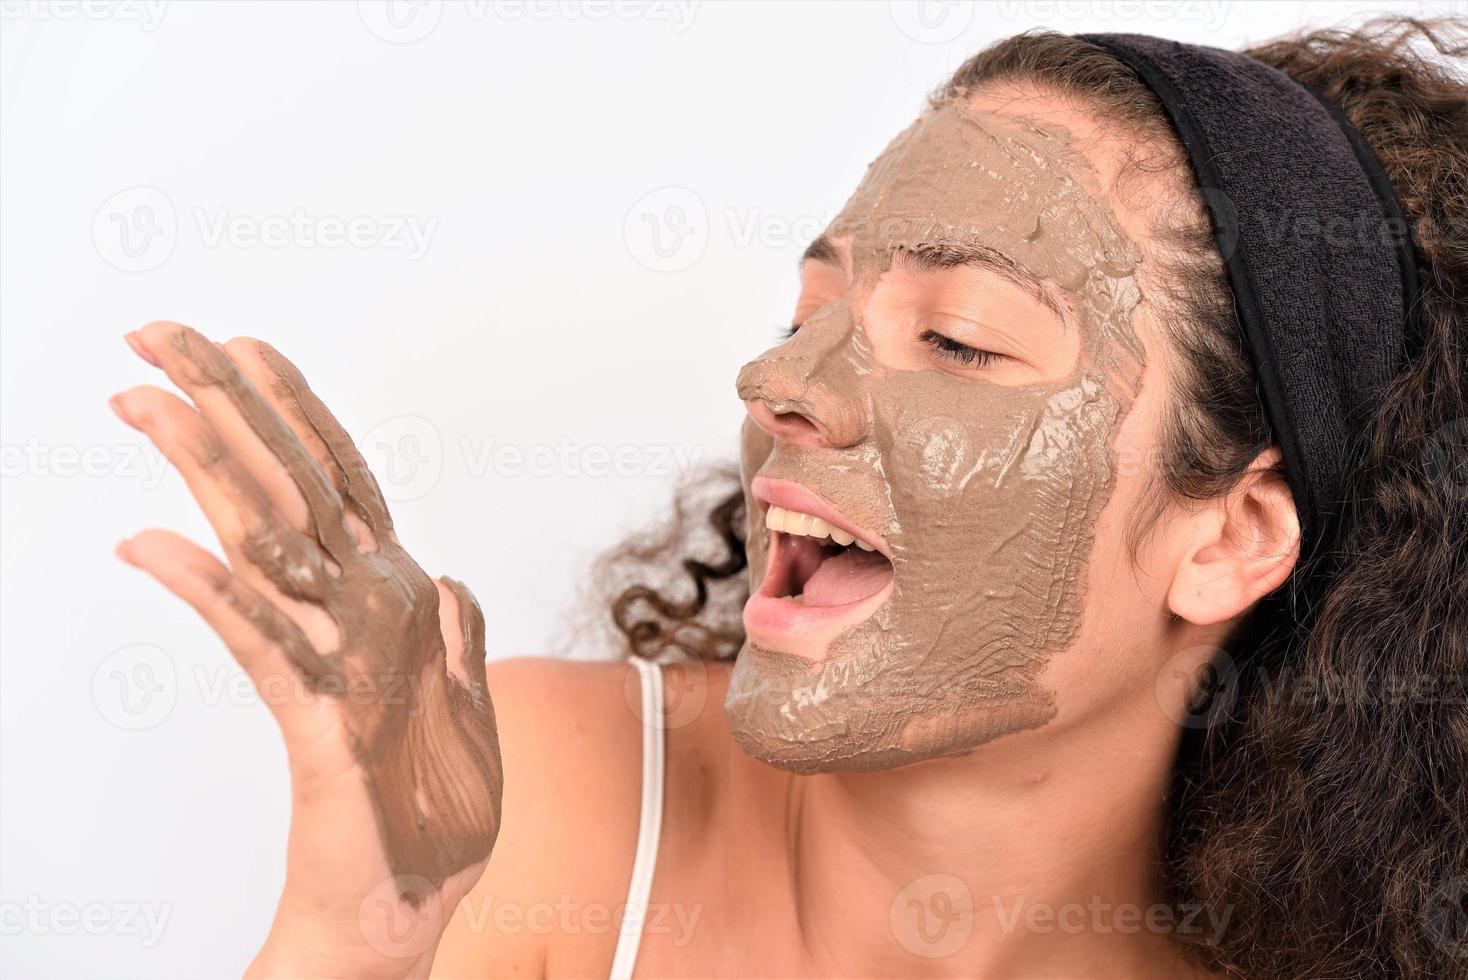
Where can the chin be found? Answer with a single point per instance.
(777, 718)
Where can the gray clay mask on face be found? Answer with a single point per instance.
(987, 494)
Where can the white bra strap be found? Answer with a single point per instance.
(650, 829)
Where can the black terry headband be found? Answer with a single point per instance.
(1318, 255)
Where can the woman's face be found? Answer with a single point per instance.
(967, 357)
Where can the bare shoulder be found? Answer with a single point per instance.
(571, 736)
(572, 752)
(556, 715)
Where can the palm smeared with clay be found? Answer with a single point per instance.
(392, 716)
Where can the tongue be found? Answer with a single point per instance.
(849, 576)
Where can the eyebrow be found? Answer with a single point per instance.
(948, 254)
(821, 250)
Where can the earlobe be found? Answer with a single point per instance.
(1246, 544)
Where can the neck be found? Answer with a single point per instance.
(1036, 853)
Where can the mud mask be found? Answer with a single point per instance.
(423, 735)
(987, 495)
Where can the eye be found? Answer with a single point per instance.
(962, 353)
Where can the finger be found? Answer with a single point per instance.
(468, 654)
(284, 387)
(234, 504)
(265, 642)
(247, 424)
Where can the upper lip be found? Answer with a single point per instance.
(795, 496)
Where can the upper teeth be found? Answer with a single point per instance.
(795, 522)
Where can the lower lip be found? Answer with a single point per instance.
(775, 621)
(789, 626)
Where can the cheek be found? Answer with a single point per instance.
(1125, 583)
(1113, 659)
(997, 510)
(1012, 457)
(1140, 534)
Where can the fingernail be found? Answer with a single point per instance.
(115, 403)
(136, 343)
(121, 551)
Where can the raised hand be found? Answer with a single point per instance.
(374, 670)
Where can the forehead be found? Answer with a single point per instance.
(1016, 180)
(971, 176)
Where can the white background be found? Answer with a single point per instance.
(572, 222)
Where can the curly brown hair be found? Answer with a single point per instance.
(1322, 811)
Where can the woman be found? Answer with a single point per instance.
(1067, 515)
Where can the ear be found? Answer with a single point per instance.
(1245, 545)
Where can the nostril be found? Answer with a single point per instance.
(795, 425)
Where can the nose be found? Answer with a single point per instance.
(792, 425)
(811, 401)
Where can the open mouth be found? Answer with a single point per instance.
(824, 573)
(815, 564)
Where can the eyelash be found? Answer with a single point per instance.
(962, 353)
(945, 346)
